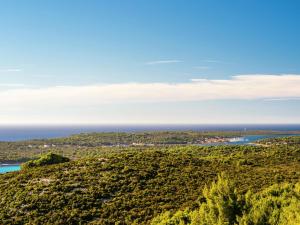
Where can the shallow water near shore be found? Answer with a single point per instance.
(248, 139)
(9, 168)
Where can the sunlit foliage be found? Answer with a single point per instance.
(276, 205)
(47, 159)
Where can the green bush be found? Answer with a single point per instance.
(47, 159)
(276, 205)
(220, 205)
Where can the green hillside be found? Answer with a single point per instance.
(137, 185)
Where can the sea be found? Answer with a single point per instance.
(19, 133)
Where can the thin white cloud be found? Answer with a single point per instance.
(163, 62)
(283, 99)
(12, 85)
(43, 75)
(9, 70)
(198, 80)
(212, 61)
(241, 87)
(201, 67)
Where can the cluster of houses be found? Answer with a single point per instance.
(216, 139)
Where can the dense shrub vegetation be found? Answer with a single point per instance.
(221, 204)
(292, 140)
(157, 184)
(134, 185)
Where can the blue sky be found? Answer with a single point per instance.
(138, 61)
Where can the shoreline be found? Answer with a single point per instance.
(47, 133)
(10, 164)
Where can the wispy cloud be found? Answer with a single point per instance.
(43, 75)
(241, 87)
(215, 61)
(27, 104)
(163, 62)
(283, 99)
(9, 70)
(9, 85)
(198, 80)
(201, 67)
(211, 61)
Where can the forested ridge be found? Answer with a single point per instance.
(148, 185)
(95, 144)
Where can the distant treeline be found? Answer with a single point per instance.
(92, 144)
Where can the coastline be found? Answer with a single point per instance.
(9, 164)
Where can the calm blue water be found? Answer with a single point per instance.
(9, 168)
(252, 138)
(16, 133)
